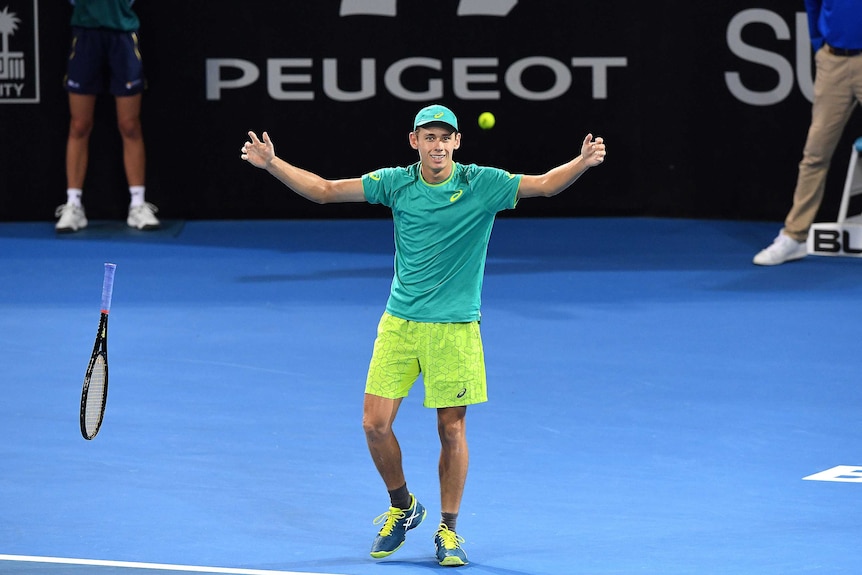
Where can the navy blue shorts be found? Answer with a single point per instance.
(104, 59)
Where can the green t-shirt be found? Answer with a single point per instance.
(108, 14)
(441, 237)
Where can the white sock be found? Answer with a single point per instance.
(137, 193)
(73, 196)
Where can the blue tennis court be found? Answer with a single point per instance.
(656, 403)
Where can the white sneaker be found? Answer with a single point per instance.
(72, 218)
(783, 249)
(143, 217)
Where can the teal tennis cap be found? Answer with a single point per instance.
(435, 113)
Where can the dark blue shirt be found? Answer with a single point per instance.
(835, 22)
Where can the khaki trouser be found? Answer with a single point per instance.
(837, 90)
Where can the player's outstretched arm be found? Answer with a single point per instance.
(261, 154)
(554, 181)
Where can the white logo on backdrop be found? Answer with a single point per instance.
(11, 63)
(15, 87)
(389, 7)
(782, 67)
(472, 78)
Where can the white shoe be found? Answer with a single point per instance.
(72, 218)
(783, 249)
(143, 217)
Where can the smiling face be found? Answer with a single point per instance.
(436, 144)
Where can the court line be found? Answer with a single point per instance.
(160, 566)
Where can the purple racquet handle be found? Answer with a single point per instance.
(108, 287)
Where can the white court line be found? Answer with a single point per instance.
(161, 566)
(842, 473)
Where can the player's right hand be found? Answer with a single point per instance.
(258, 154)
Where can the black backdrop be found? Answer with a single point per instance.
(652, 78)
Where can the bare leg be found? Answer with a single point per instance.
(81, 109)
(377, 419)
(454, 456)
(129, 124)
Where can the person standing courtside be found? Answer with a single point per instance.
(443, 213)
(105, 39)
(835, 27)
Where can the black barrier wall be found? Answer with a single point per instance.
(704, 106)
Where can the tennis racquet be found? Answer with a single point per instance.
(95, 393)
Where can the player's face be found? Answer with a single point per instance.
(435, 145)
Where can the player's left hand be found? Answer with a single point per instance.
(593, 151)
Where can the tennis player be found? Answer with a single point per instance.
(443, 212)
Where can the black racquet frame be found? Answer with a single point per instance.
(93, 407)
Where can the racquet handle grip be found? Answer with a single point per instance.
(108, 287)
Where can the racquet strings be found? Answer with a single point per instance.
(95, 403)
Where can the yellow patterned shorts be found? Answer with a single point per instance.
(448, 355)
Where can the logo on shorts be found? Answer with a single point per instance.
(462, 393)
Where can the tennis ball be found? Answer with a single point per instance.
(487, 120)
